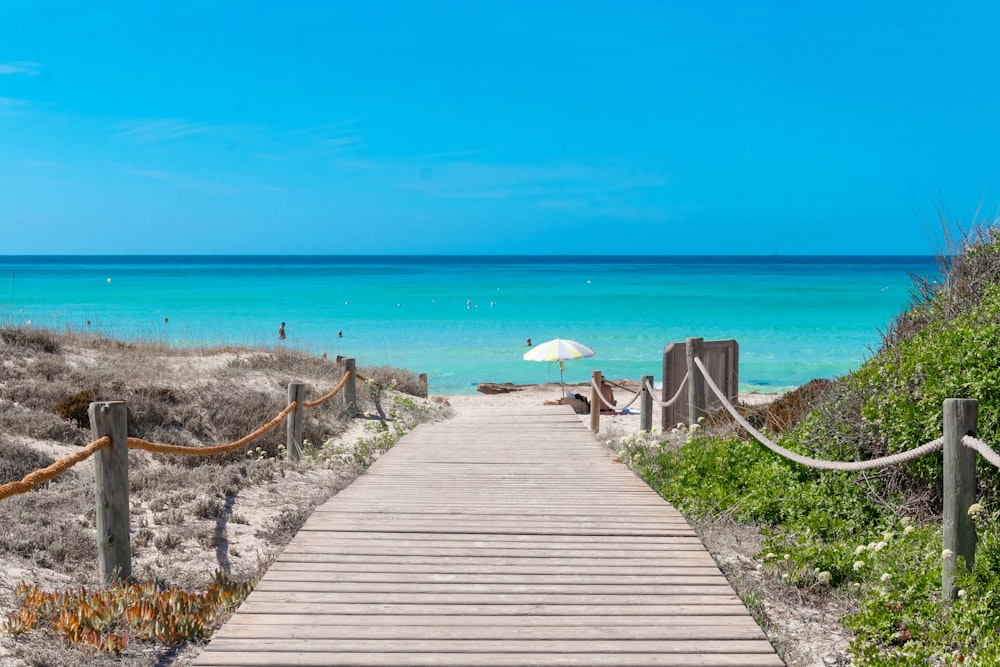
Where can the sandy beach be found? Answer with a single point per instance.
(611, 425)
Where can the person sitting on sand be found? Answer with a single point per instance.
(281, 331)
(609, 397)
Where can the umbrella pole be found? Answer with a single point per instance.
(561, 382)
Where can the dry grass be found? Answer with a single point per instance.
(190, 516)
(778, 415)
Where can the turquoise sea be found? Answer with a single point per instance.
(464, 320)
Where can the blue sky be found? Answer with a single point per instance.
(495, 127)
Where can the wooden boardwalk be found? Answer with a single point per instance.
(494, 539)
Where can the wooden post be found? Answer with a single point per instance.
(423, 383)
(114, 551)
(350, 389)
(695, 347)
(293, 442)
(595, 401)
(960, 419)
(646, 405)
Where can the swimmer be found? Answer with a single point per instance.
(281, 331)
(340, 334)
(528, 344)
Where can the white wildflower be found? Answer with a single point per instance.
(947, 553)
(824, 577)
(858, 564)
(885, 576)
(961, 592)
(975, 509)
(860, 550)
(907, 530)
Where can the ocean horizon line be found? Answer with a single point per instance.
(532, 257)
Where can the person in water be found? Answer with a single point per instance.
(281, 331)
(528, 344)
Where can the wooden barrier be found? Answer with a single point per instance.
(721, 357)
(595, 401)
(350, 389)
(958, 529)
(293, 443)
(114, 549)
(646, 404)
(695, 349)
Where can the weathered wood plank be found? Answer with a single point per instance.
(494, 539)
(239, 658)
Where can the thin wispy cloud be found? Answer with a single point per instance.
(183, 182)
(150, 173)
(468, 180)
(25, 67)
(161, 129)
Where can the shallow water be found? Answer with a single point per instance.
(464, 320)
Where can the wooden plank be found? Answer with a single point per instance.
(494, 539)
(238, 658)
(419, 645)
(260, 624)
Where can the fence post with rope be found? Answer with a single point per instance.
(350, 389)
(695, 349)
(646, 405)
(114, 550)
(293, 443)
(595, 401)
(958, 529)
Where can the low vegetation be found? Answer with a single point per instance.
(203, 528)
(871, 539)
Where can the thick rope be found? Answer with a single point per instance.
(635, 397)
(323, 399)
(666, 404)
(844, 466)
(985, 450)
(615, 384)
(601, 396)
(136, 443)
(34, 478)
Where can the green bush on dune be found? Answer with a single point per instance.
(875, 536)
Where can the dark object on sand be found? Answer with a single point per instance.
(497, 388)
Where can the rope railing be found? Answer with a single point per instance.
(618, 384)
(36, 477)
(842, 466)
(959, 444)
(111, 477)
(985, 450)
(52, 471)
(333, 392)
(159, 448)
(676, 397)
(605, 402)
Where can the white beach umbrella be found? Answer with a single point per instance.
(558, 349)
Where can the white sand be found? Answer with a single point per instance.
(542, 394)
